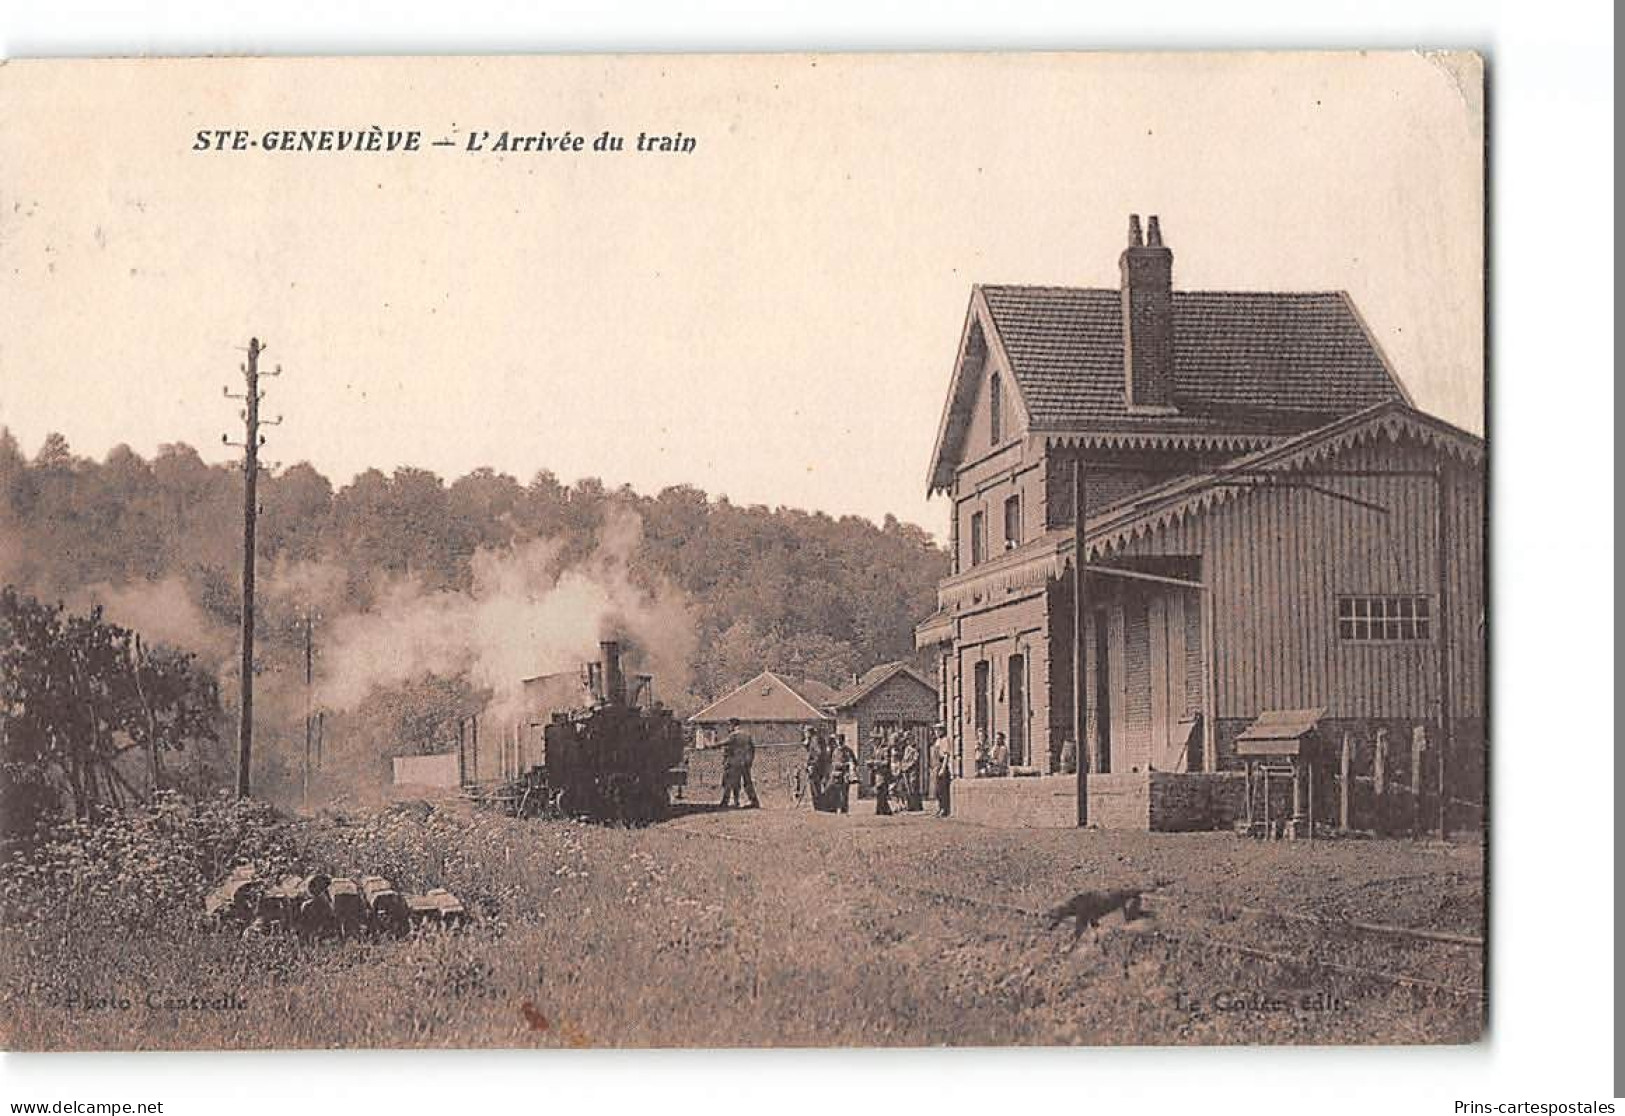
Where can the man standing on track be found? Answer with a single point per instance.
(738, 754)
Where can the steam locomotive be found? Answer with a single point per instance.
(613, 758)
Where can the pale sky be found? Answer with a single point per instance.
(773, 316)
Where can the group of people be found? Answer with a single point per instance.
(894, 768)
(830, 771)
(994, 760)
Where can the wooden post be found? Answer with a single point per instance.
(1297, 795)
(1345, 784)
(1310, 774)
(1080, 611)
(1264, 770)
(1249, 766)
(462, 756)
(1419, 741)
(1379, 780)
(1210, 684)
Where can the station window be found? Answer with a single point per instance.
(1012, 522)
(978, 538)
(1384, 619)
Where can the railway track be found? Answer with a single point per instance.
(1327, 931)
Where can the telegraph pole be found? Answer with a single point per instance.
(251, 443)
(310, 720)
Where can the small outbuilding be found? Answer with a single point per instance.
(891, 697)
(772, 709)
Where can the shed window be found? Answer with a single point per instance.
(1384, 619)
(978, 538)
(1012, 523)
(995, 407)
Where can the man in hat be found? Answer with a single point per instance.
(738, 754)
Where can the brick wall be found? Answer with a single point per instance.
(1195, 801)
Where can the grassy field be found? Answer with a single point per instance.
(782, 927)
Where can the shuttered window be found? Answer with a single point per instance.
(1384, 619)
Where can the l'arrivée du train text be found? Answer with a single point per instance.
(377, 140)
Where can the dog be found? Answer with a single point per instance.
(1087, 908)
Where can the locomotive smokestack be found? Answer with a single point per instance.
(609, 655)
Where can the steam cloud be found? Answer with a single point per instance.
(163, 612)
(524, 616)
(528, 612)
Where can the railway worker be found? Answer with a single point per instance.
(942, 772)
(730, 772)
(738, 755)
(981, 753)
(731, 767)
(841, 762)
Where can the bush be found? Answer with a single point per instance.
(137, 868)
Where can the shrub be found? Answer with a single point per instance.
(136, 868)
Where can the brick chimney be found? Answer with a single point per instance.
(1148, 318)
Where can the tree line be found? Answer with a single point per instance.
(803, 593)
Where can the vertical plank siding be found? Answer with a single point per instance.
(1277, 559)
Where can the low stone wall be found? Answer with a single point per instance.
(1155, 800)
(1032, 802)
(1120, 801)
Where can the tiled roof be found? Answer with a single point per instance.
(872, 680)
(768, 697)
(1236, 354)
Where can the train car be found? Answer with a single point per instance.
(613, 758)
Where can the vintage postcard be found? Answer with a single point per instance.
(761, 550)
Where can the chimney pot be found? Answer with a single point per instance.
(1134, 239)
(1153, 232)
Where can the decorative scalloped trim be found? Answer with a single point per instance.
(1394, 427)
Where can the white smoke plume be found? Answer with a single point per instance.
(523, 617)
(163, 612)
